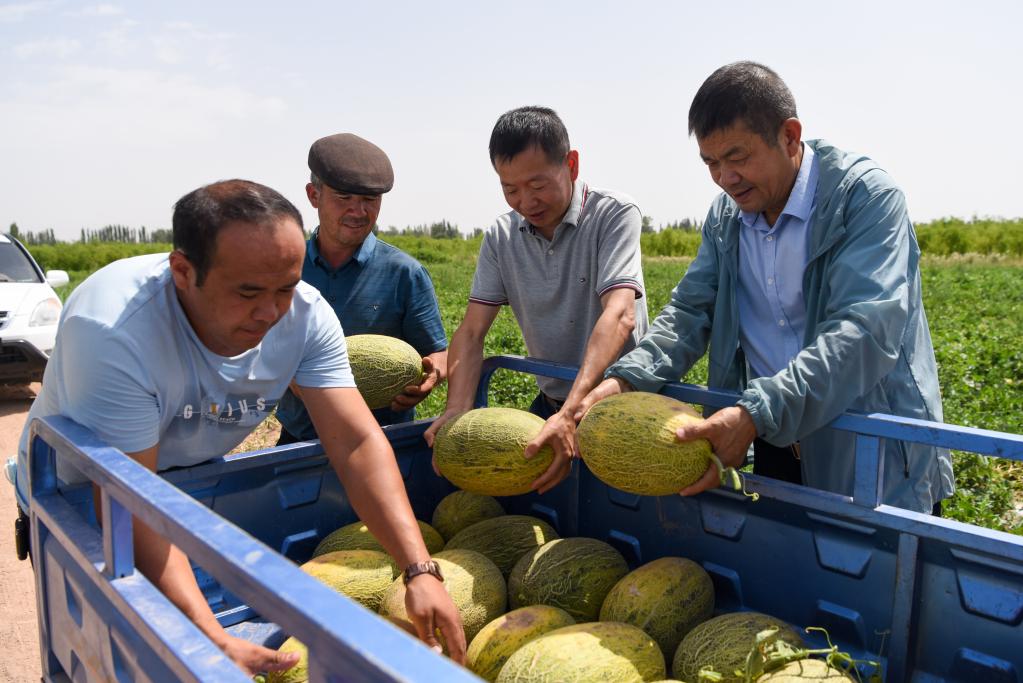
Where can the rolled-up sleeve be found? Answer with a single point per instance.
(618, 252)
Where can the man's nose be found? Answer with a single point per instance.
(359, 207)
(265, 310)
(729, 177)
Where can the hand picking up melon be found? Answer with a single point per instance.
(483, 451)
(383, 366)
(628, 441)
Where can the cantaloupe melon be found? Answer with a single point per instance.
(462, 509)
(628, 442)
(474, 583)
(504, 539)
(587, 653)
(296, 674)
(482, 451)
(574, 574)
(724, 642)
(362, 575)
(666, 598)
(356, 536)
(383, 366)
(502, 637)
(805, 670)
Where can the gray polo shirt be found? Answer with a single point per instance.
(554, 287)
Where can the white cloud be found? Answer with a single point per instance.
(52, 47)
(20, 10)
(100, 10)
(118, 41)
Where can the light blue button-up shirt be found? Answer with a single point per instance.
(772, 311)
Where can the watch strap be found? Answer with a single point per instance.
(416, 568)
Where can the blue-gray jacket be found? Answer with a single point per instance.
(867, 346)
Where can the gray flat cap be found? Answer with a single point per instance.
(348, 163)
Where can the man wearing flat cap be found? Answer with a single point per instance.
(373, 287)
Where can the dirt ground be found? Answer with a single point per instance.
(19, 635)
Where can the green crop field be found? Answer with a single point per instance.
(974, 304)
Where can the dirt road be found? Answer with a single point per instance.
(19, 635)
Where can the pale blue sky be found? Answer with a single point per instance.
(109, 112)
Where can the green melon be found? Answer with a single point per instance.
(628, 442)
(586, 653)
(474, 583)
(483, 451)
(356, 536)
(805, 670)
(362, 575)
(666, 598)
(462, 509)
(724, 642)
(383, 366)
(499, 639)
(296, 674)
(504, 539)
(574, 574)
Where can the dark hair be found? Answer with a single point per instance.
(519, 129)
(746, 92)
(200, 215)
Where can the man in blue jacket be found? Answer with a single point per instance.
(807, 289)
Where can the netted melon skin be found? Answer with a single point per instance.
(574, 574)
(502, 637)
(628, 442)
(723, 643)
(504, 539)
(362, 575)
(482, 451)
(462, 509)
(666, 598)
(356, 536)
(382, 366)
(296, 674)
(805, 670)
(474, 583)
(587, 653)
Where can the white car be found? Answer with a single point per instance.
(29, 312)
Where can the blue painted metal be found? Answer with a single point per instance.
(930, 599)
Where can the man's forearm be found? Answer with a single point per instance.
(605, 344)
(465, 360)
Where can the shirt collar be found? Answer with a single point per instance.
(575, 208)
(362, 254)
(800, 201)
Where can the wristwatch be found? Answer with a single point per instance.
(417, 568)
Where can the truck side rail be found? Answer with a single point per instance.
(149, 638)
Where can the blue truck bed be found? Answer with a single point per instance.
(929, 599)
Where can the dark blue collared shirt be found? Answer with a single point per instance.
(380, 290)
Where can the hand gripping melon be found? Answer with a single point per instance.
(628, 442)
(805, 670)
(724, 642)
(356, 536)
(383, 366)
(462, 509)
(666, 598)
(482, 451)
(362, 575)
(586, 653)
(474, 583)
(499, 639)
(296, 674)
(574, 574)
(504, 539)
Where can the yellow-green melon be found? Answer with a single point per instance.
(574, 574)
(666, 598)
(805, 670)
(482, 451)
(474, 583)
(356, 536)
(597, 652)
(628, 442)
(383, 366)
(296, 674)
(499, 639)
(724, 642)
(362, 575)
(462, 509)
(504, 539)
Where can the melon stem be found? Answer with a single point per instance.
(731, 478)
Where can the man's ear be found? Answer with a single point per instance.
(572, 159)
(791, 136)
(313, 194)
(182, 270)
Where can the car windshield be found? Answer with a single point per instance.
(14, 265)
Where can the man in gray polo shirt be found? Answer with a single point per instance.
(567, 261)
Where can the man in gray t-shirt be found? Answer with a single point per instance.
(567, 261)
